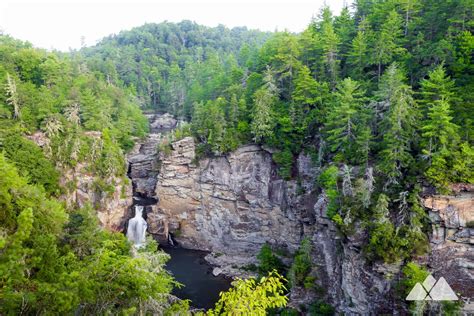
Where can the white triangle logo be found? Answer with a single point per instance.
(417, 293)
(442, 291)
(432, 290)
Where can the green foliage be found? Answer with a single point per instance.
(451, 308)
(328, 181)
(347, 129)
(320, 308)
(111, 159)
(252, 297)
(284, 160)
(31, 162)
(290, 92)
(385, 243)
(392, 244)
(184, 130)
(55, 263)
(412, 274)
(301, 267)
(268, 261)
(398, 125)
(440, 136)
(388, 43)
(264, 99)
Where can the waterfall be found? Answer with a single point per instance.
(137, 228)
(170, 240)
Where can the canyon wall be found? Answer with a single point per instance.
(232, 205)
(84, 187)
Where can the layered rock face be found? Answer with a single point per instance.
(112, 207)
(231, 205)
(452, 241)
(82, 188)
(143, 160)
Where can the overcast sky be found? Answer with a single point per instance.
(60, 24)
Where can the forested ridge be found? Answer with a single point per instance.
(380, 96)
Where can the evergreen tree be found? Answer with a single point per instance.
(439, 141)
(306, 95)
(438, 86)
(397, 124)
(358, 54)
(388, 43)
(344, 27)
(264, 100)
(347, 123)
(329, 41)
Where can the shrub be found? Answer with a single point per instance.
(319, 308)
(268, 261)
(284, 160)
(31, 162)
(301, 266)
(328, 181)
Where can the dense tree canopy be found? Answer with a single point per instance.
(379, 96)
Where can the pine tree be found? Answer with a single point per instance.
(410, 8)
(264, 100)
(388, 43)
(344, 27)
(439, 141)
(347, 122)
(305, 95)
(440, 138)
(286, 62)
(438, 131)
(438, 86)
(397, 124)
(233, 111)
(357, 56)
(329, 42)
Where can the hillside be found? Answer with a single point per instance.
(340, 159)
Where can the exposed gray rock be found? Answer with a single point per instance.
(143, 160)
(452, 242)
(232, 205)
(224, 204)
(216, 271)
(112, 207)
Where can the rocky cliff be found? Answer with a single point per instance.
(143, 160)
(83, 187)
(232, 205)
(452, 240)
(112, 206)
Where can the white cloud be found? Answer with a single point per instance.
(61, 24)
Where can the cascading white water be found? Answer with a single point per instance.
(137, 228)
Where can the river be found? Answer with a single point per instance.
(200, 285)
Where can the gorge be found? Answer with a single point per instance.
(324, 172)
(234, 204)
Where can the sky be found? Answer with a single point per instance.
(61, 24)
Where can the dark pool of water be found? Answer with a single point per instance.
(190, 269)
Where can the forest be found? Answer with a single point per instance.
(380, 96)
